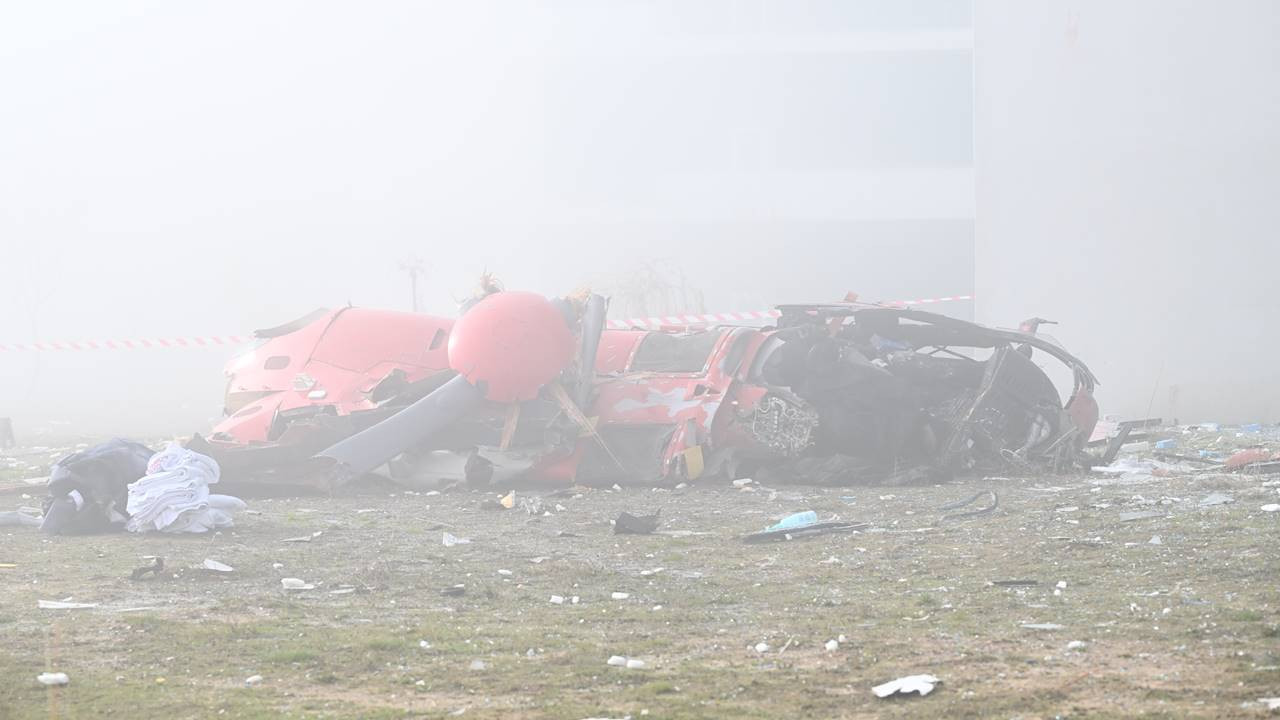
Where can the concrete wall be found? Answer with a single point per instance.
(1127, 161)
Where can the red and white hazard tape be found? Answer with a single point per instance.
(215, 340)
(180, 342)
(750, 315)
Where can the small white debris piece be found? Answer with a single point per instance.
(762, 647)
(557, 599)
(574, 599)
(842, 639)
(478, 665)
(648, 573)
(620, 596)
(64, 605)
(450, 540)
(833, 645)
(424, 644)
(1041, 626)
(617, 661)
(342, 591)
(303, 538)
(277, 566)
(505, 573)
(252, 680)
(1271, 703)
(539, 560)
(1216, 499)
(634, 664)
(742, 482)
(53, 678)
(296, 584)
(1271, 507)
(1069, 508)
(216, 566)
(1062, 585)
(1077, 645)
(922, 684)
(833, 560)
(1155, 540)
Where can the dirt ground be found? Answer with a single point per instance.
(1176, 610)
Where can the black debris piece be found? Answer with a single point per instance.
(635, 524)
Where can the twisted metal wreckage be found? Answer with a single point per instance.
(521, 389)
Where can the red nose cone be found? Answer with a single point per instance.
(510, 344)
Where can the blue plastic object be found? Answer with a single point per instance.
(1166, 444)
(798, 520)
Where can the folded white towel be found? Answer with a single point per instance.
(174, 495)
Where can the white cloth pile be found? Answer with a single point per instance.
(174, 495)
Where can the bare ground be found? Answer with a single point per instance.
(1184, 628)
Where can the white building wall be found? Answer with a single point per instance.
(1127, 161)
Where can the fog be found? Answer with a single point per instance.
(172, 170)
(205, 169)
(1127, 166)
(498, 516)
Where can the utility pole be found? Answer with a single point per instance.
(414, 266)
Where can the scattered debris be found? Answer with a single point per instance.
(1041, 626)
(762, 647)
(17, 517)
(1155, 540)
(625, 662)
(216, 566)
(988, 508)
(49, 678)
(451, 540)
(1270, 507)
(802, 524)
(154, 568)
(1216, 499)
(921, 684)
(1140, 515)
(454, 590)
(833, 645)
(1015, 583)
(296, 584)
(620, 596)
(635, 524)
(557, 600)
(64, 605)
(478, 665)
(1077, 645)
(252, 680)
